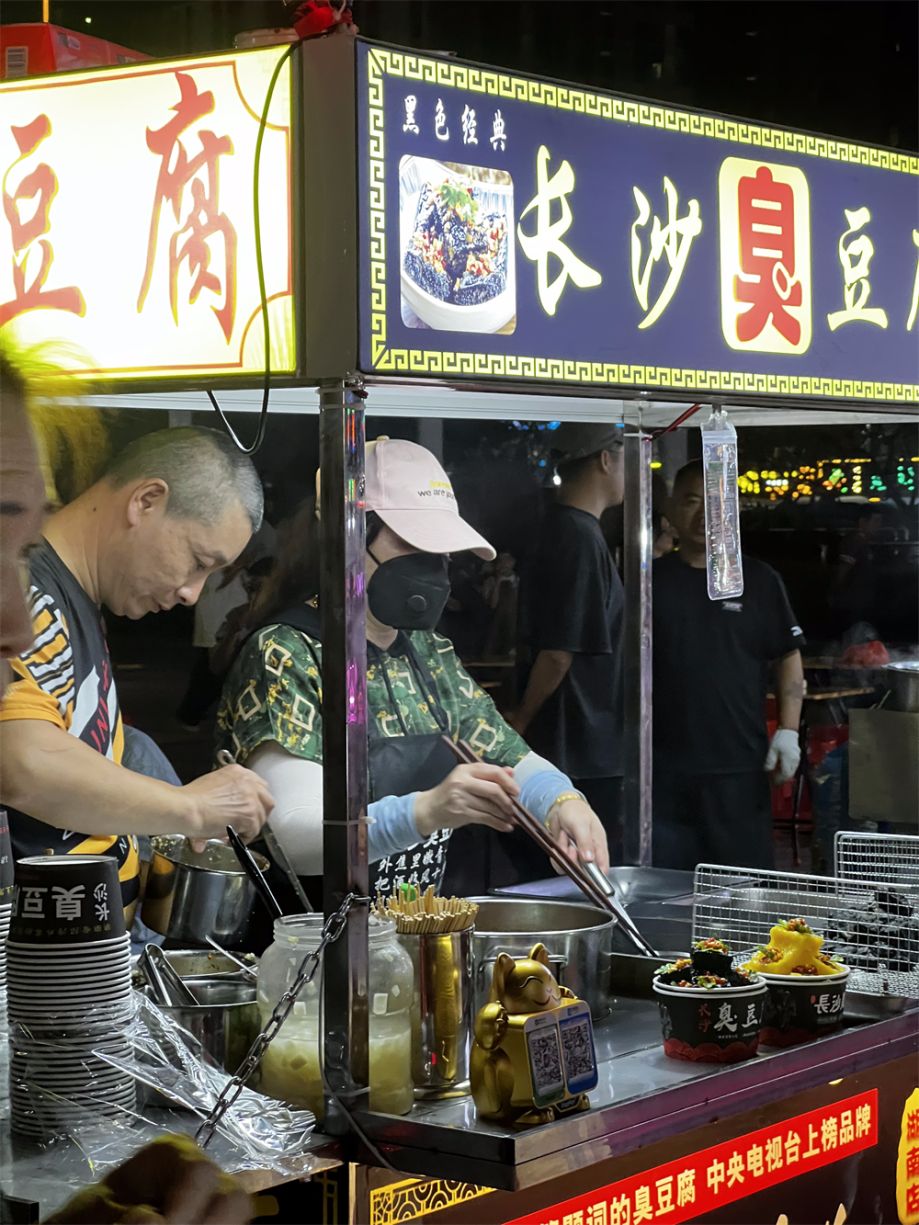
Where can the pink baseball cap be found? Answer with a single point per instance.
(412, 494)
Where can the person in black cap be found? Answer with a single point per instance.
(571, 629)
(713, 760)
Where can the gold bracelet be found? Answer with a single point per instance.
(561, 799)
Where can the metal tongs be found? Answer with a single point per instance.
(275, 850)
(587, 876)
(167, 987)
(626, 922)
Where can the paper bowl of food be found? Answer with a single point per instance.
(456, 246)
(709, 1018)
(806, 986)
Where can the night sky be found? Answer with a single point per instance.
(847, 69)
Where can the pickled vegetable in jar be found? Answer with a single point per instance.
(290, 1070)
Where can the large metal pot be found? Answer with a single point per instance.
(578, 938)
(192, 895)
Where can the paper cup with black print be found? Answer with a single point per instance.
(67, 899)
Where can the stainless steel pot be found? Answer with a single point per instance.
(579, 940)
(902, 680)
(225, 1020)
(192, 895)
(198, 964)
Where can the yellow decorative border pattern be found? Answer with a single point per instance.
(415, 361)
(406, 1201)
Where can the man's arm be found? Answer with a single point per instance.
(789, 690)
(56, 778)
(549, 670)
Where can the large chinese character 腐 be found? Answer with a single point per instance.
(855, 257)
(766, 220)
(548, 237)
(203, 220)
(41, 183)
(673, 240)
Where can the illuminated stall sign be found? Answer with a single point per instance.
(128, 227)
(692, 1187)
(517, 229)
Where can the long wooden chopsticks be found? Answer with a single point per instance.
(465, 754)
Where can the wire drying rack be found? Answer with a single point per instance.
(881, 859)
(871, 926)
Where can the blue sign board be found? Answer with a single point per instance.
(516, 229)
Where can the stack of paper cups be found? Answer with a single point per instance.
(70, 997)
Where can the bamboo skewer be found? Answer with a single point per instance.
(426, 914)
(540, 835)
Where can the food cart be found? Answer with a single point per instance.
(634, 260)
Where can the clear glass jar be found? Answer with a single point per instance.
(290, 1069)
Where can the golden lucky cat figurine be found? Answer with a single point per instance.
(533, 1057)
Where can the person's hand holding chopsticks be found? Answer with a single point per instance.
(576, 828)
(477, 793)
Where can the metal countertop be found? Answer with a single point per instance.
(642, 1096)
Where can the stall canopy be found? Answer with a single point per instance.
(128, 236)
(520, 230)
(429, 221)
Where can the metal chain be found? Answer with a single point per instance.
(332, 929)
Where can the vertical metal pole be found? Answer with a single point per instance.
(638, 557)
(344, 728)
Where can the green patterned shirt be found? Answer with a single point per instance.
(274, 692)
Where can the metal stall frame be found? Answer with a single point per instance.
(329, 82)
(326, 157)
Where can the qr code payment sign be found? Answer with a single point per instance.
(546, 1064)
(578, 1049)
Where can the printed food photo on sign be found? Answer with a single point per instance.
(456, 242)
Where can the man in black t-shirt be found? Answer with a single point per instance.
(712, 756)
(571, 623)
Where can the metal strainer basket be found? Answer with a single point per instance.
(871, 926)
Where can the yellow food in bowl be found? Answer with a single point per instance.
(793, 949)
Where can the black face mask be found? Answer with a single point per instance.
(409, 593)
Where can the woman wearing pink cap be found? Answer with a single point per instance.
(270, 714)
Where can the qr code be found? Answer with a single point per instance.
(576, 1044)
(544, 1055)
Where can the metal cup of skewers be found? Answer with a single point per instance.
(437, 935)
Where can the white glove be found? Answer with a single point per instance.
(783, 756)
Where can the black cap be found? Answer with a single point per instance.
(578, 439)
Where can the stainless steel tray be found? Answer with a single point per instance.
(632, 885)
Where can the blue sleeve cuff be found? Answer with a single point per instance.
(539, 791)
(393, 829)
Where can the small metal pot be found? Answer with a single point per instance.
(902, 679)
(199, 963)
(578, 938)
(225, 1020)
(192, 895)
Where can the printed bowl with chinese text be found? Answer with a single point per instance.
(721, 1025)
(801, 1007)
(67, 899)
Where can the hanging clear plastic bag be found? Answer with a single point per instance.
(722, 507)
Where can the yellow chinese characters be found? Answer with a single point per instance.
(673, 240)
(855, 257)
(548, 237)
(908, 1163)
(914, 306)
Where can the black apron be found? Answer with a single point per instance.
(396, 765)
